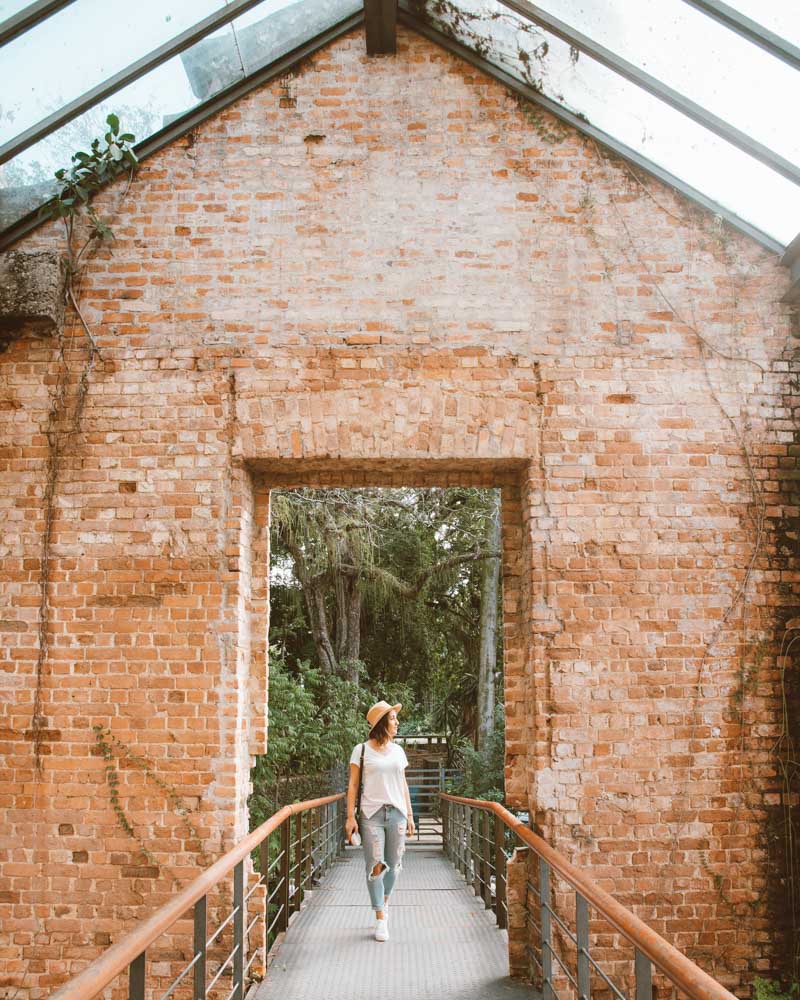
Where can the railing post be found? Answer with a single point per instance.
(475, 844)
(486, 888)
(136, 971)
(200, 933)
(644, 976)
(283, 867)
(462, 842)
(238, 931)
(297, 898)
(444, 810)
(582, 937)
(308, 849)
(547, 937)
(500, 871)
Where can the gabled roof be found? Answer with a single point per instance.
(669, 86)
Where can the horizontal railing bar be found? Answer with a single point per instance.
(186, 971)
(252, 923)
(561, 924)
(256, 885)
(603, 976)
(222, 926)
(564, 969)
(233, 989)
(253, 957)
(277, 888)
(222, 968)
(533, 889)
(677, 967)
(96, 976)
(274, 919)
(275, 862)
(532, 954)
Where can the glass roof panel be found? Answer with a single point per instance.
(622, 110)
(8, 8)
(44, 69)
(89, 40)
(178, 85)
(780, 16)
(698, 57)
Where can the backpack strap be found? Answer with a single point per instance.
(360, 780)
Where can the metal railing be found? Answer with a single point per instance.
(295, 846)
(477, 839)
(424, 785)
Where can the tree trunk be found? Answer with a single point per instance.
(487, 663)
(353, 650)
(315, 602)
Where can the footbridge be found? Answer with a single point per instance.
(285, 914)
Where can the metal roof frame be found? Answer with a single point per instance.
(582, 125)
(220, 17)
(191, 119)
(29, 17)
(655, 87)
(195, 116)
(749, 29)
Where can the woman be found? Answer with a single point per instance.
(385, 813)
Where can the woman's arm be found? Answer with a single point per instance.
(411, 829)
(352, 791)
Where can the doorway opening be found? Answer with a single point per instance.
(395, 583)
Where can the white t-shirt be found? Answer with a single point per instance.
(383, 777)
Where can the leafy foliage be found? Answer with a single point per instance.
(483, 769)
(413, 559)
(90, 172)
(314, 723)
(768, 989)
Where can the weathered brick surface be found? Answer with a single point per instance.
(382, 271)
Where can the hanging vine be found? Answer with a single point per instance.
(107, 745)
(107, 160)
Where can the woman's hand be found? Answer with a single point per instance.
(411, 828)
(350, 827)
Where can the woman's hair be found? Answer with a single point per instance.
(380, 731)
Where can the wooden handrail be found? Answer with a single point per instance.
(681, 970)
(118, 957)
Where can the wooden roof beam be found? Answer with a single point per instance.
(380, 23)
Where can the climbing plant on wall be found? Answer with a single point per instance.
(108, 158)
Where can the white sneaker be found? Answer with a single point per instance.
(381, 931)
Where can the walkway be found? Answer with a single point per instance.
(443, 944)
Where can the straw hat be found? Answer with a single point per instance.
(378, 710)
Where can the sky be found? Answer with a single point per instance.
(682, 47)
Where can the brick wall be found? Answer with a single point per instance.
(398, 277)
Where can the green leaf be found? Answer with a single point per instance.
(113, 122)
(127, 137)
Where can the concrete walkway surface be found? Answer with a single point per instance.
(443, 942)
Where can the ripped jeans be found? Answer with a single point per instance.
(383, 835)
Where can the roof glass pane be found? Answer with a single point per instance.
(622, 110)
(698, 57)
(269, 31)
(8, 8)
(44, 68)
(780, 16)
